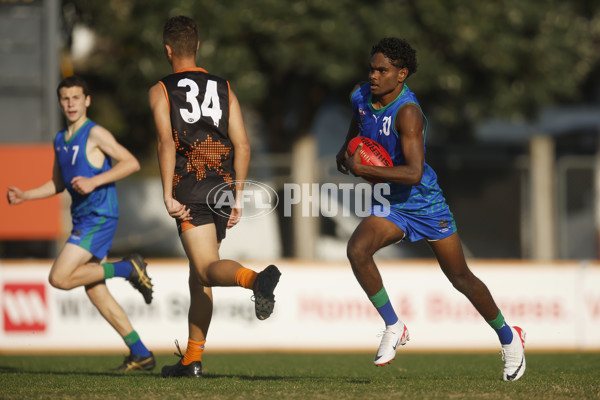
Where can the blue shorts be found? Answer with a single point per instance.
(94, 233)
(436, 226)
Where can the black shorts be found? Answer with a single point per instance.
(202, 214)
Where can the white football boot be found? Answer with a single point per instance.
(513, 355)
(393, 336)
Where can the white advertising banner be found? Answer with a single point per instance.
(319, 306)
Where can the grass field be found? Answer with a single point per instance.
(303, 376)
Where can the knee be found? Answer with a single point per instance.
(198, 278)
(357, 252)
(60, 282)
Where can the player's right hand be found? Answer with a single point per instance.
(339, 159)
(14, 195)
(177, 210)
(353, 162)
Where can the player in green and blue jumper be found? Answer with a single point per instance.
(387, 111)
(83, 166)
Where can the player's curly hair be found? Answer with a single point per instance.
(399, 52)
(181, 33)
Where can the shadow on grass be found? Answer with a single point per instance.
(258, 378)
(21, 371)
(289, 378)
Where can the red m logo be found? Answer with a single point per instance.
(24, 307)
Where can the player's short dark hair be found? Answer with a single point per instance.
(399, 52)
(72, 81)
(181, 33)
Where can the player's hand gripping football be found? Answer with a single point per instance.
(353, 162)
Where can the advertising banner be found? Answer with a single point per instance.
(319, 307)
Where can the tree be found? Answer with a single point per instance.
(284, 59)
(476, 59)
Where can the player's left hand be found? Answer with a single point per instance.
(234, 217)
(83, 185)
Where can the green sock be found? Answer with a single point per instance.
(382, 302)
(109, 270)
(502, 329)
(132, 340)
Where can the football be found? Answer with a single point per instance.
(371, 153)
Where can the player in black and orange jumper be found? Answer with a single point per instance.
(198, 109)
(203, 153)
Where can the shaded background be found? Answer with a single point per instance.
(495, 79)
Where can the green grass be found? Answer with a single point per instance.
(305, 377)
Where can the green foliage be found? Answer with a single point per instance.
(506, 58)
(302, 376)
(476, 59)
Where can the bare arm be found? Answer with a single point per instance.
(341, 155)
(102, 143)
(352, 133)
(239, 139)
(166, 151)
(409, 124)
(53, 186)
